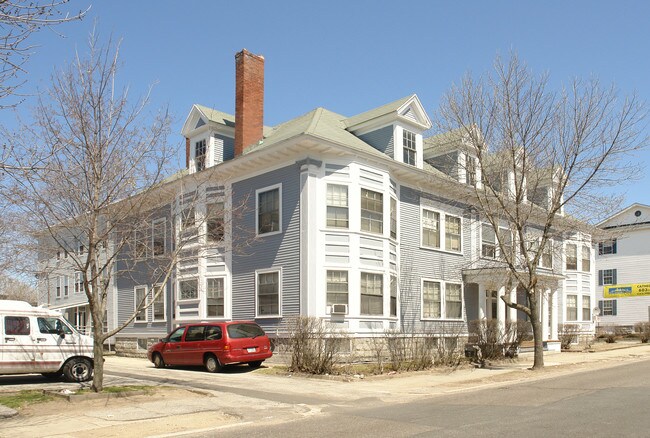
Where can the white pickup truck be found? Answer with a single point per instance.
(39, 340)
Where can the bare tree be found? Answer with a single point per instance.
(544, 155)
(102, 158)
(13, 289)
(19, 20)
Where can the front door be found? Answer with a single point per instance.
(55, 342)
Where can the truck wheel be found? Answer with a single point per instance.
(212, 364)
(158, 361)
(78, 370)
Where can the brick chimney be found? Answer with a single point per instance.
(249, 100)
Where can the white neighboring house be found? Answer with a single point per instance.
(623, 290)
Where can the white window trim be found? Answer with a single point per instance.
(578, 307)
(384, 291)
(198, 289)
(226, 314)
(566, 258)
(81, 287)
(442, 231)
(164, 297)
(347, 187)
(257, 209)
(66, 286)
(443, 299)
(384, 196)
(135, 304)
(268, 271)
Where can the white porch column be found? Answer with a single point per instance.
(512, 313)
(544, 307)
(554, 315)
(501, 307)
(482, 314)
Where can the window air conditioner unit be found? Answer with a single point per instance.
(339, 309)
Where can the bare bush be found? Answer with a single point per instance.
(643, 329)
(448, 346)
(494, 340)
(313, 345)
(568, 334)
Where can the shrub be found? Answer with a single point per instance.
(568, 334)
(643, 329)
(494, 340)
(313, 345)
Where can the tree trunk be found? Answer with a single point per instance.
(538, 361)
(98, 375)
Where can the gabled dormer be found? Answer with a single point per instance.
(454, 154)
(209, 136)
(394, 129)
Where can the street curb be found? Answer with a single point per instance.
(74, 398)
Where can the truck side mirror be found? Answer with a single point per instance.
(62, 334)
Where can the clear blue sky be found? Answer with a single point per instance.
(351, 56)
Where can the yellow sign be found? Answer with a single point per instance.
(626, 290)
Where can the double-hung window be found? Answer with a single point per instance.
(586, 308)
(409, 147)
(488, 241)
(78, 282)
(571, 307)
(66, 285)
(214, 223)
(431, 299)
(268, 211)
(158, 306)
(268, 293)
(606, 277)
(607, 307)
(200, 154)
(337, 206)
(452, 233)
(140, 301)
(453, 301)
(372, 211)
(337, 287)
(372, 294)
(586, 258)
(214, 291)
(571, 256)
(58, 287)
(430, 229)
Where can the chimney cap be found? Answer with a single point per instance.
(247, 52)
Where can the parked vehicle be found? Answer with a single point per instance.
(39, 340)
(212, 345)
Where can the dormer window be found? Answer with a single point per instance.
(200, 154)
(409, 148)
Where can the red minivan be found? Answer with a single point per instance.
(212, 344)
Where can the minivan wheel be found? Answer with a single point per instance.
(158, 361)
(212, 364)
(255, 364)
(78, 370)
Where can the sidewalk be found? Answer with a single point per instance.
(238, 398)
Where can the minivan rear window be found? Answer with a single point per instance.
(238, 331)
